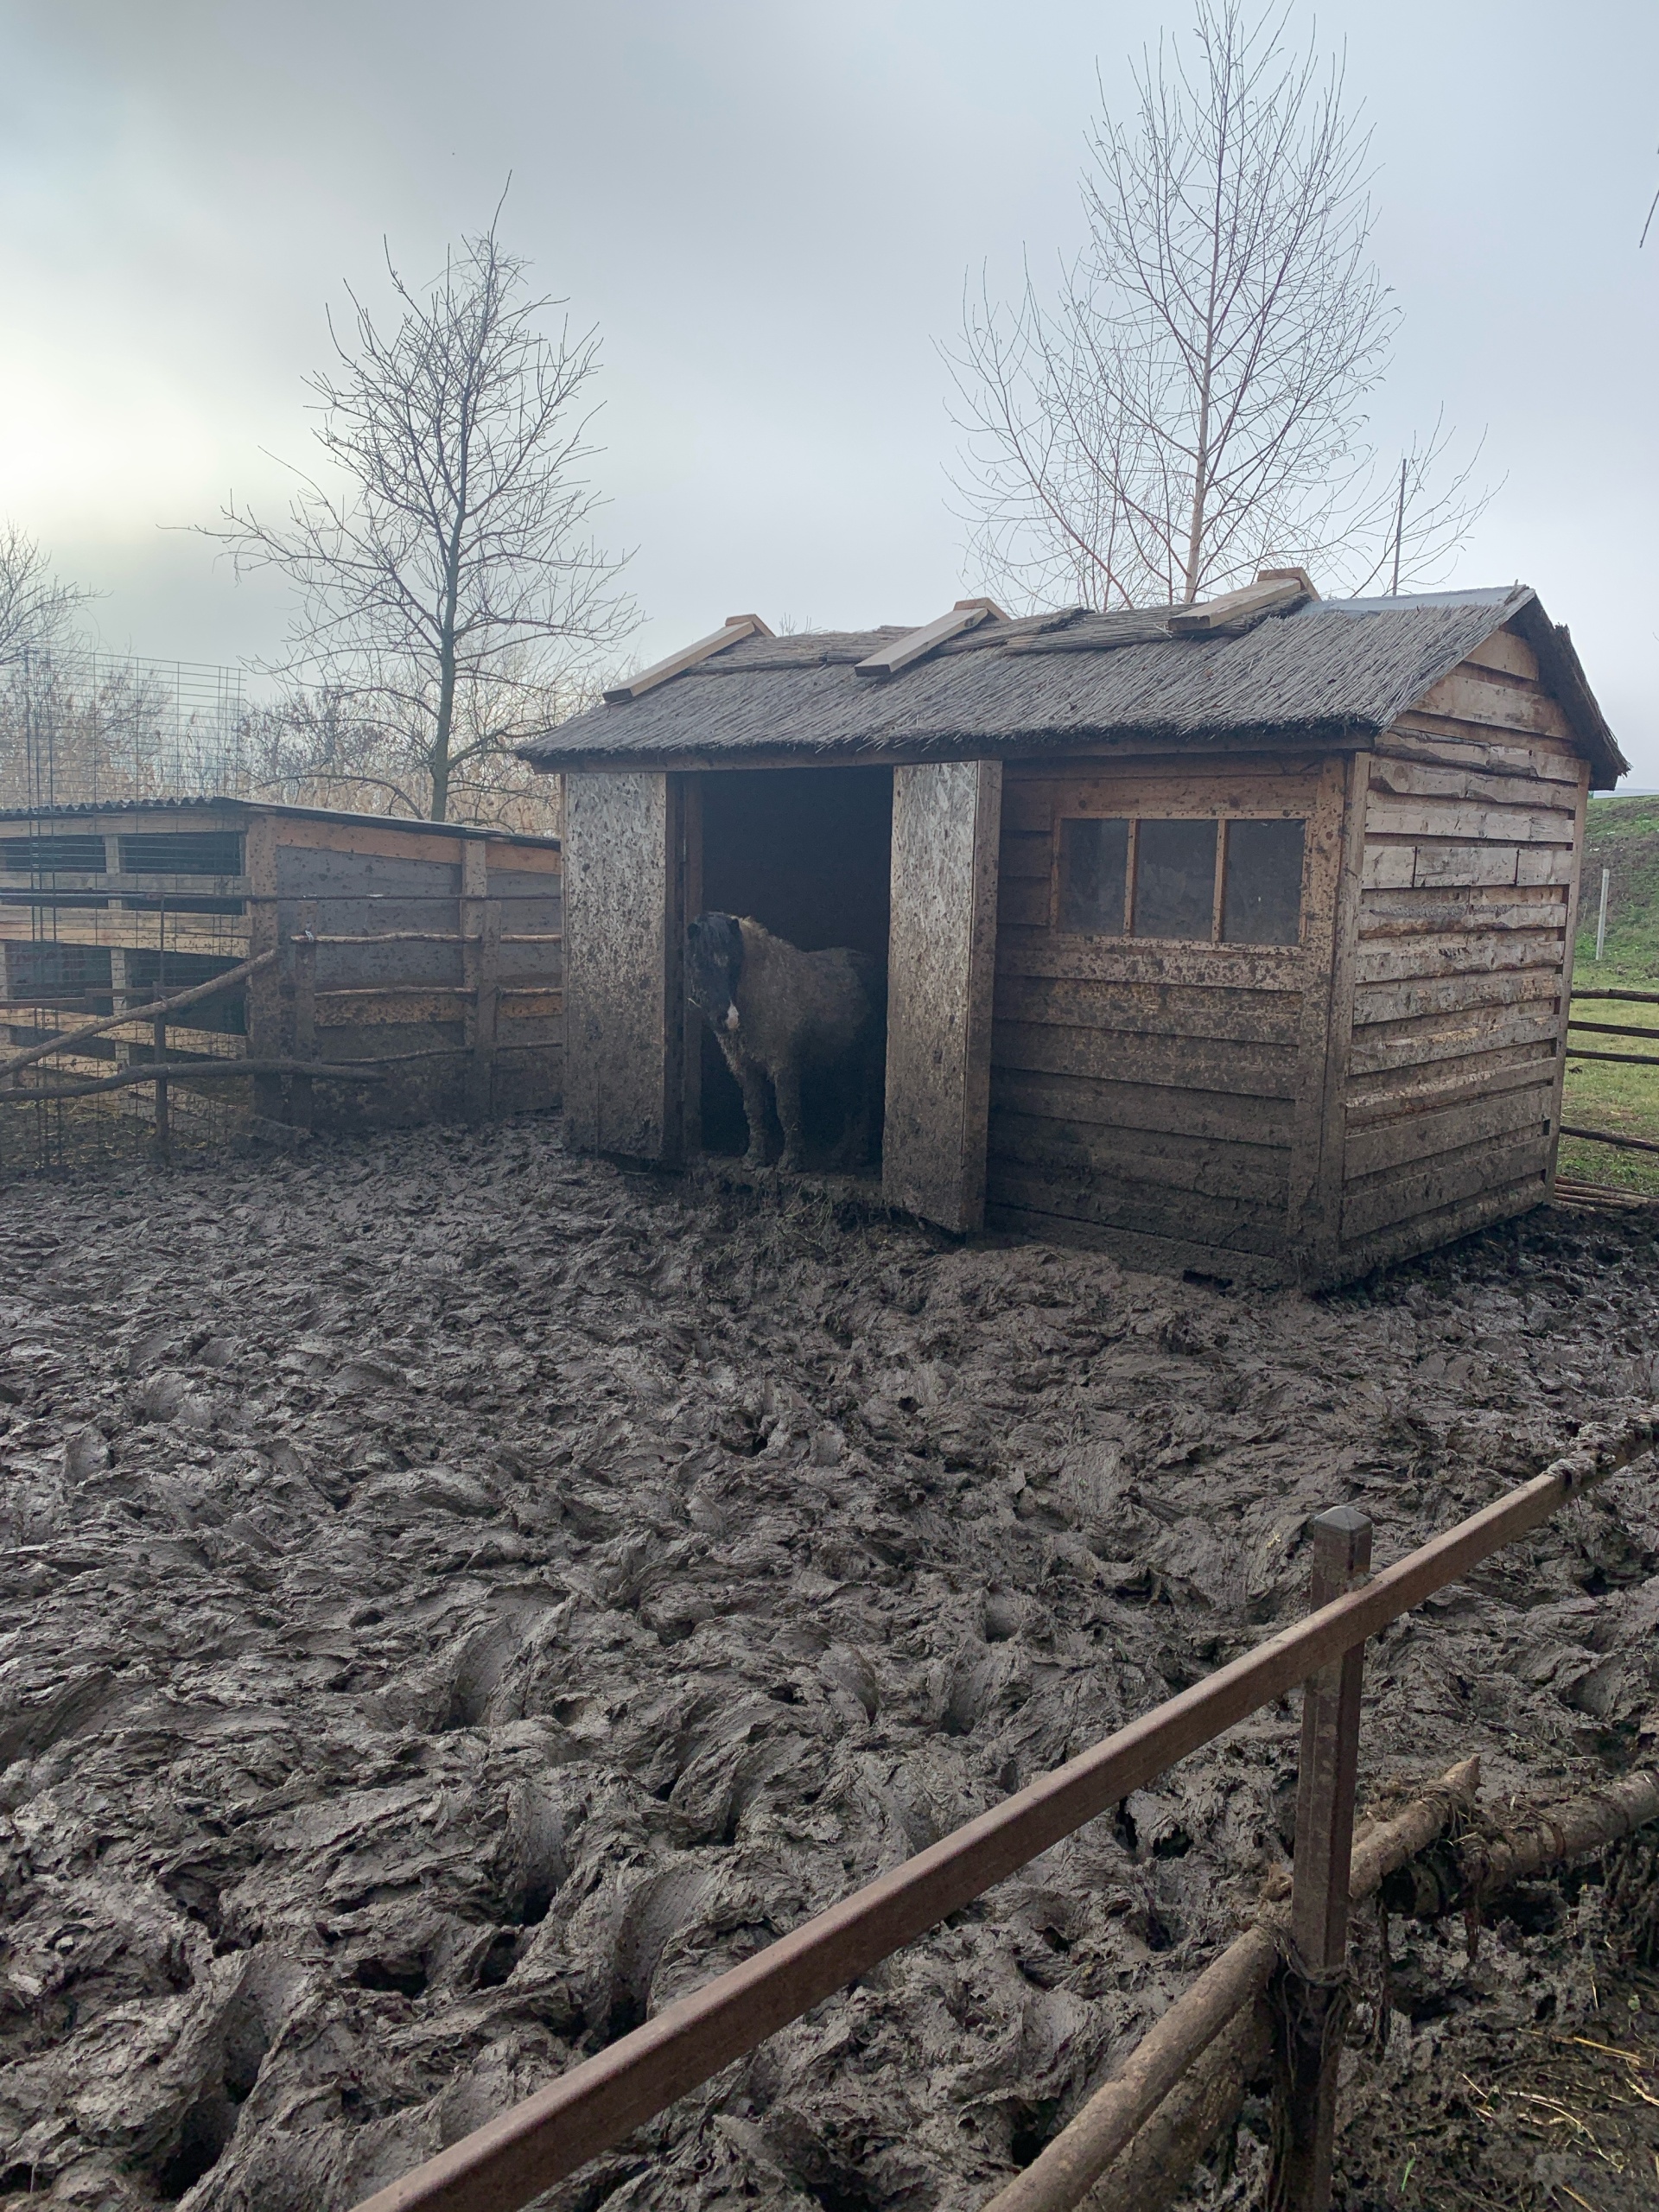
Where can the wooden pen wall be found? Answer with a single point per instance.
(1473, 815)
(441, 954)
(441, 957)
(1164, 1099)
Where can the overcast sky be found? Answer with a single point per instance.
(770, 212)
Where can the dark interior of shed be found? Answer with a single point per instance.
(806, 853)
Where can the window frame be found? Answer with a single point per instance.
(1223, 819)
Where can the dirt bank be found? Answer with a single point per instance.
(457, 1597)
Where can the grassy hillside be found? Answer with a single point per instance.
(1623, 837)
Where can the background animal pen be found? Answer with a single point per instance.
(430, 955)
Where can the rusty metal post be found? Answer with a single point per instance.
(1314, 2005)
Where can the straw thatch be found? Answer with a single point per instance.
(1326, 673)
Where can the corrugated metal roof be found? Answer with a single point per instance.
(1329, 671)
(80, 810)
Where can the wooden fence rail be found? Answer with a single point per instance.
(284, 1050)
(515, 2157)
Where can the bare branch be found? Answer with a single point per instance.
(1193, 403)
(450, 592)
(36, 607)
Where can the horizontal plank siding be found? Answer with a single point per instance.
(1465, 820)
(1026, 859)
(1449, 1037)
(1406, 780)
(1379, 1201)
(1140, 1111)
(1407, 1000)
(1162, 1255)
(1023, 902)
(1381, 1146)
(1506, 652)
(1152, 1009)
(1023, 951)
(1406, 958)
(1437, 739)
(1474, 913)
(1149, 1096)
(1421, 1232)
(1246, 1071)
(1402, 865)
(1105, 1201)
(1473, 818)
(1425, 1088)
(1228, 1168)
(1472, 694)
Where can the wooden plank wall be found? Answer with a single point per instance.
(486, 1016)
(481, 1018)
(1164, 1100)
(1473, 815)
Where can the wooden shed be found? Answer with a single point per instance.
(1233, 938)
(432, 950)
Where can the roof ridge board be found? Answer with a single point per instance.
(991, 634)
(893, 656)
(1125, 632)
(734, 631)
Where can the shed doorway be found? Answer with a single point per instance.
(807, 853)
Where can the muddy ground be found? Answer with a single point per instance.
(457, 1597)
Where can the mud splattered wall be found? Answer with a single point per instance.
(626, 1035)
(1157, 1078)
(1473, 811)
(945, 833)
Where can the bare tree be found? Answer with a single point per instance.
(1193, 405)
(35, 606)
(325, 744)
(450, 595)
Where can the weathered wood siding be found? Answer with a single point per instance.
(467, 1028)
(1473, 827)
(940, 965)
(1162, 1099)
(624, 992)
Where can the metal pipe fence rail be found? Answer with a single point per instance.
(591, 2108)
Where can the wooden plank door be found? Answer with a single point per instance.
(624, 935)
(941, 965)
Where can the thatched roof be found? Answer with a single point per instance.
(1327, 672)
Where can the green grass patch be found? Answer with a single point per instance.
(1622, 834)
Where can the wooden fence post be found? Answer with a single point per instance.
(481, 953)
(163, 1133)
(1314, 2007)
(303, 1042)
(161, 1140)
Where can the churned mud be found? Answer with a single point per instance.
(457, 1598)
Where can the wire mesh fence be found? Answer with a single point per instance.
(79, 726)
